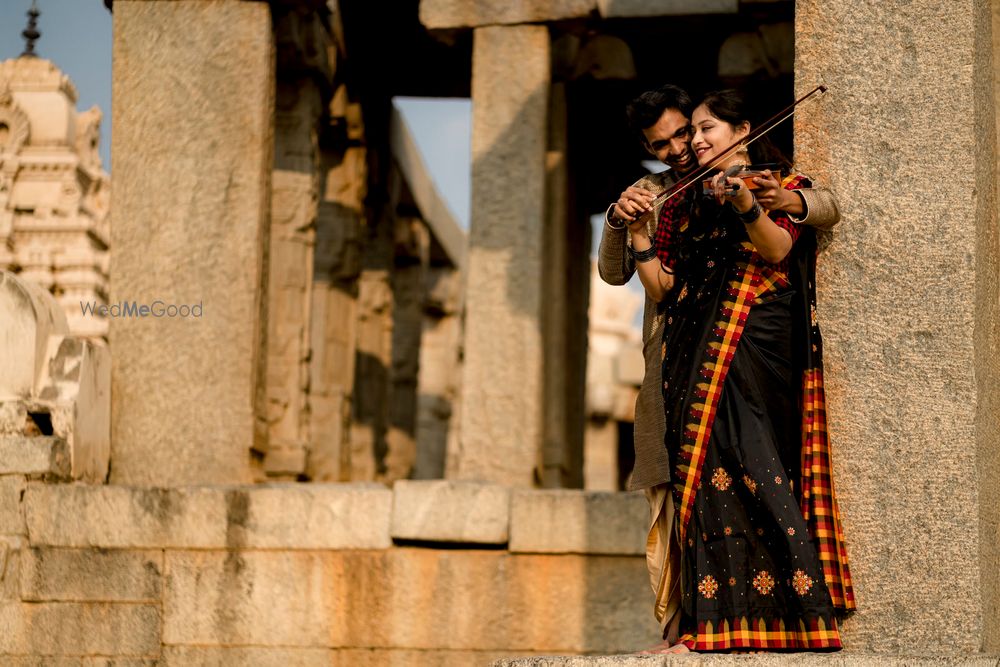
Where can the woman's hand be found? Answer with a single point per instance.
(633, 203)
(741, 197)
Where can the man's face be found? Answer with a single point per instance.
(669, 140)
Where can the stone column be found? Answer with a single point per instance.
(295, 195)
(502, 393)
(193, 108)
(909, 296)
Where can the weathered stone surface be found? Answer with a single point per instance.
(448, 511)
(30, 316)
(407, 599)
(321, 657)
(296, 516)
(75, 386)
(464, 14)
(568, 521)
(502, 395)
(711, 660)
(68, 628)
(910, 311)
(11, 513)
(192, 181)
(34, 456)
(82, 575)
(637, 8)
(10, 566)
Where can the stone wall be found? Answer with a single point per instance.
(430, 573)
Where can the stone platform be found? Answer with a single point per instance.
(842, 659)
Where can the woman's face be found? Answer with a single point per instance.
(712, 136)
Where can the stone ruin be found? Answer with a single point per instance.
(150, 504)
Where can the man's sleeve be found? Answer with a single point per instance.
(821, 209)
(614, 264)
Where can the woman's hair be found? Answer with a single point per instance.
(731, 107)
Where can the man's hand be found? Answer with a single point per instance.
(773, 197)
(633, 203)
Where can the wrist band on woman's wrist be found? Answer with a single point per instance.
(751, 215)
(642, 255)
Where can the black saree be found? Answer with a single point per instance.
(763, 564)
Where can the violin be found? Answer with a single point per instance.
(699, 175)
(746, 174)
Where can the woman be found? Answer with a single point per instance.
(763, 564)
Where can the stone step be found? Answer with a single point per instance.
(840, 659)
(46, 456)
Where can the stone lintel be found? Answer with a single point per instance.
(450, 511)
(446, 14)
(458, 14)
(571, 521)
(277, 516)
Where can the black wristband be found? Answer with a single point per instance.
(749, 217)
(642, 255)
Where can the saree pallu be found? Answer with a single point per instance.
(763, 563)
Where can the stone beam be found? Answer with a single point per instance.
(909, 305)
(193, 107)
(502, 394)
(452, 14)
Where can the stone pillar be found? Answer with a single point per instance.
(502, 391)
(193, 107)
(908, 299)
(335, 313)
(295, 195)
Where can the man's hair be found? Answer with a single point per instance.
(645, 110)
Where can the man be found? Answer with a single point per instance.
(661, 119)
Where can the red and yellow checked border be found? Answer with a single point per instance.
(819, 501)
(758, 633)
(744, 287)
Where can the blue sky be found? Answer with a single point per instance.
(76, 36)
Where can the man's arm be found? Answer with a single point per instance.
(816, 207)
(614, 264)
(820, 206)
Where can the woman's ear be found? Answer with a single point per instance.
(743, 129)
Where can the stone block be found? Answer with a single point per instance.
(416, 599)
(39, 455)
(12, 487)
(450, 511)
(437, 14)
(195, 186)
(83, 575)
(78, 629)
(502, 432)
(30, 315)
(318, 516)
(75, 386)
(10, 567)
(295, 516)
(640, 8)
(219, 656)
(569, 521)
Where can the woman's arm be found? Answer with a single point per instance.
(652, 275)
(772, 242)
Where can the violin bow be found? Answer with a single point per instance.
(762, 129)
